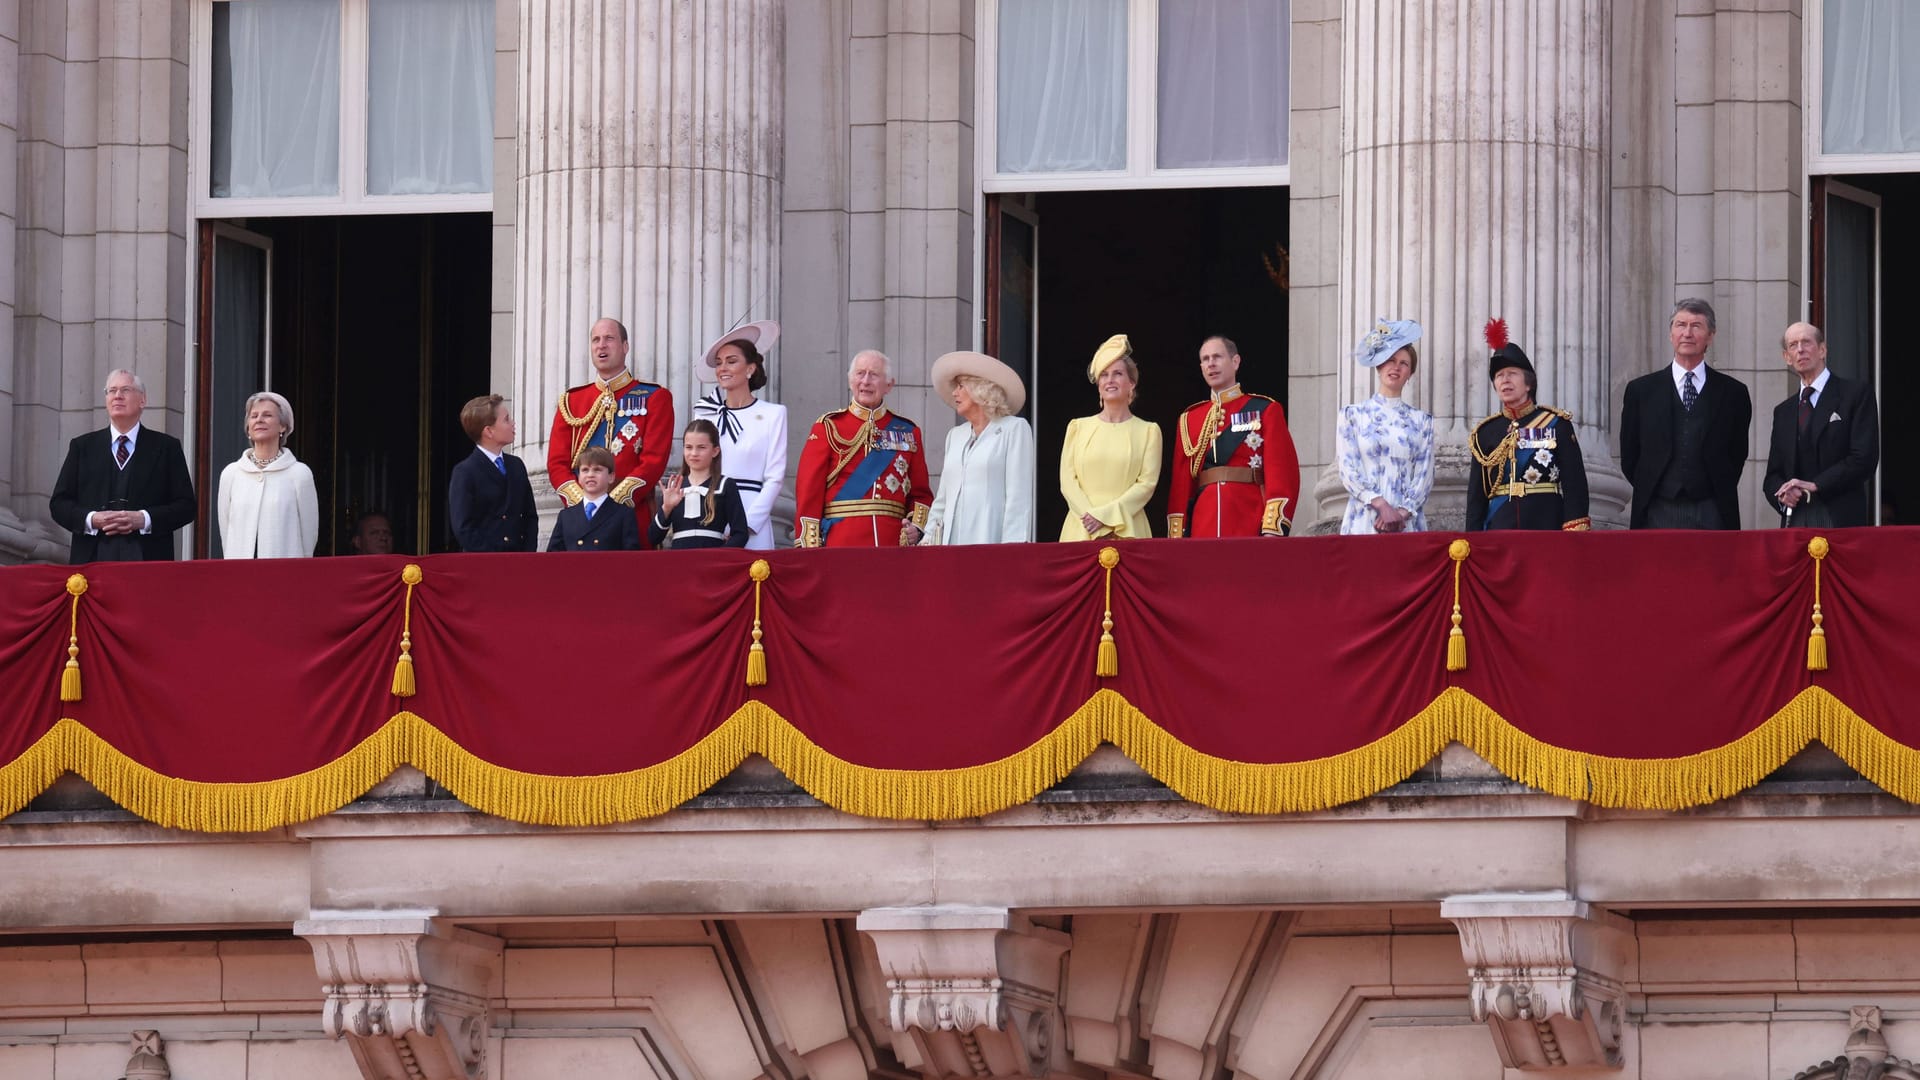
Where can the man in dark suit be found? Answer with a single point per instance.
(489, 497)
(1683, 433)
(124, 489)
(1826, 440)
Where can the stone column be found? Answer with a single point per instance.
(649, 189)
(1474, 182)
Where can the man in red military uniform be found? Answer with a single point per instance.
(630, 418)
(1235, 472)
(863, 470)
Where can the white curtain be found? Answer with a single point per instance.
(1223, 83)
(276, 98)
(1870, 80)
(1063, 85)
(430, 97)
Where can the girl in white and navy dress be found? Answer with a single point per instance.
(753, 432)
(698, 506)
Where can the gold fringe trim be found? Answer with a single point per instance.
(944, 794)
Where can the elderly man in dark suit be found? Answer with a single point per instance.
(1826, 440)
(123, 490)
(1683, 433)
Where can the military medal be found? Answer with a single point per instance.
(629, 431)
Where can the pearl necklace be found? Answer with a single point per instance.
(262, 465)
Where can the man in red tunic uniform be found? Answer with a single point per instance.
(630, 418)
(1235, 472)
(863, 470)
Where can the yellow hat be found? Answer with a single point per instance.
(1111, 350)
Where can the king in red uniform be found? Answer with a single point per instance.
(863, 470)
(1234, 472)
(630, 418)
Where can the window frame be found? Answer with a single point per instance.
(1143, 120)
(1813, 127)
(352, 197)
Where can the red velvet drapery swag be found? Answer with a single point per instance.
(1644, 670)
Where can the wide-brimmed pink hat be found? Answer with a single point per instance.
(950, 367)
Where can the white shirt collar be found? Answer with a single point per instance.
(1699, 377)
(132, 434)
(1820, 384)
(593, 505)
(493, 456)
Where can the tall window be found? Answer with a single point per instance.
(1870, 84)
(332, 106)
(1136, 92)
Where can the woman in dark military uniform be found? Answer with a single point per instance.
(1530, 475)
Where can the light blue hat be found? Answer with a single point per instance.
(1387, 337)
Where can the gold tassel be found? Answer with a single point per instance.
(403, 684)
(70, 675)
(1817, 640)
(1456, 637)
(756, 652)
(1106, 661)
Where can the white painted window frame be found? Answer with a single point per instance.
(1813, 52)
(1143, 89)
(352, 198)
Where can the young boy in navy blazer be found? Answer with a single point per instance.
(489, 498)
(591, 524)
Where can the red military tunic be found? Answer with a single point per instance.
(1235, 471)
(633, 419)
(863, 473)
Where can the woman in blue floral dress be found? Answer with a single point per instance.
(1385, 444)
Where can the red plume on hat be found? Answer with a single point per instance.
(1496, 334)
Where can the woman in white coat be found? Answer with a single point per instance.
(268, 508)
(986, 479)
(753, 432)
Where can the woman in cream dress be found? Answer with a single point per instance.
(1111, 461)
(266, 503)
(986, 483)
(753, 430)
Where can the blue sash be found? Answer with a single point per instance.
(1519, 465)
(861, 478)
(630, 404)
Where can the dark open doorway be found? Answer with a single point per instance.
(1857, 292)
(378, 329)
(1166, 268)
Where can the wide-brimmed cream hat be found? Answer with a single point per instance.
(950, 367)
(1109, 353)
(761, 335)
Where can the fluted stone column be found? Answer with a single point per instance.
(649, 182)
(1474, 182)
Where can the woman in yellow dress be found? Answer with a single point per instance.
(1111, 461)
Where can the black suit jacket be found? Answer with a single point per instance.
(1844, 440)
(613, 528)
(1646, 438)
(157, 482)
(491, 510)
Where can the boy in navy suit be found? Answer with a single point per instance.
(489, 497)
(590, 524)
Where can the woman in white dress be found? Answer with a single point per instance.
(986, 478)
(753, 432)
(267, 505)
(1385, 445)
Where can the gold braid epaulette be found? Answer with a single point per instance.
(1195, 449)
(603, 408)
(844, 450)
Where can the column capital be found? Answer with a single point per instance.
(1545, 971)
(977, 988)
(408, 993)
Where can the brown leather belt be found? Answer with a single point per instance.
(1224, 474)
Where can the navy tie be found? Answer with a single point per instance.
(1688, 395)
(120, 451)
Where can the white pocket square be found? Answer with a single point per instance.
(1834, 419)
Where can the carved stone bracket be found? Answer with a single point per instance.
(1545, 973)
(149, 1060)
(1866, 1056)
(409, 994)
(978, 988)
